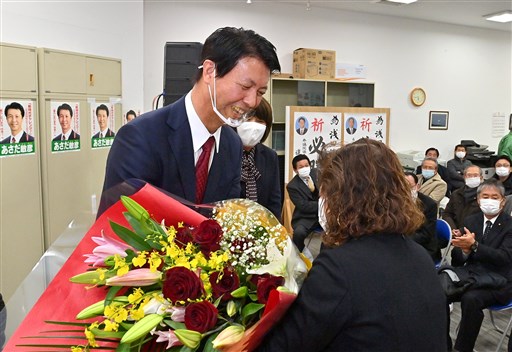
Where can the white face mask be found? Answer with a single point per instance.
(230, 121)
(321, 213)
(502, 171)
(304, 172)
(472, 182)
(460, 155)
(251, 133)
(490, 206)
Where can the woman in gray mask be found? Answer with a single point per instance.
(260, 166)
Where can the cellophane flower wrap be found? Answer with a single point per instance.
(176, 287)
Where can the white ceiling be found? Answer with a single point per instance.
(460, 12)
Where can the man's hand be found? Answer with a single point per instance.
(464, 240)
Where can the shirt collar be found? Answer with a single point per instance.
(18, 136)
(200, 133)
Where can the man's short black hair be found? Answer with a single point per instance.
(65, 107)
(413, 175)
(16, 106)
(102, 107)
(434, 149)
(298, 158)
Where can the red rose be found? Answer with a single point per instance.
(183, 236)
(208, 235)
(201, 316)
(228, 283)
(181, 284)
(266, 283)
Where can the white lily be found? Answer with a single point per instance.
(288, 265)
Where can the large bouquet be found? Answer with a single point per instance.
(216, 284)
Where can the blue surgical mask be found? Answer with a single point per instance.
(427, 174)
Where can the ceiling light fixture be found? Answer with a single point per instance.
(403, 1)
(249, 1)
(308, 6)
(502, 17)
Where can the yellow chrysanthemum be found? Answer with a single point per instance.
(140, 260)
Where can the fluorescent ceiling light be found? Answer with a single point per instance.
(403, 1)
(502, 17)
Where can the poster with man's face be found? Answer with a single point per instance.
(17, 127)
(65, 126)
(102, 124)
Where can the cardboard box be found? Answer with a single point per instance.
(314, 63)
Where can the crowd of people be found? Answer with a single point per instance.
(374, 285)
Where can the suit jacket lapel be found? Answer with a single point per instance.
(495, 233)
(180, 142)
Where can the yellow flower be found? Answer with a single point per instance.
(137, 314)
(77, 349)
(110, 325)
(136, 295)
(172, 251)
(90, 336)
(154, 261)
(140, 260)
(120, 265)
(101, 273)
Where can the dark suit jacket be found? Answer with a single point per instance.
(72, 136)
(348, 130)
(495, 253)
(305, 201)
(157, 148)
(305, 130)
(426, 234)
(25, 137)
(108, 134)
(268, 186)
(375, 293)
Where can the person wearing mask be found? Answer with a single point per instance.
(185, 148)
(456, 167)
(303, 192)
(260, 166)
(430, 183)
(502, 173)
(426, 234)
(374, 288)
(486, 243)
(463, 201)
(441, 170)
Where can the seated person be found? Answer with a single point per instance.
(456, 167)
(463, 201)
(502, 167)
(487, 242)
(303, 192)
(426, 234)
(442, 170)
(430, 183)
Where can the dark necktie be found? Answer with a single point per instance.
(488, 226)
(13, 140)
(63, 137)
(202, 169)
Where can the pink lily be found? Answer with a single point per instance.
(107, 246)
(136, 277)
(168, 336)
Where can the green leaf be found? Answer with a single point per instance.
(137, 225)
(251, 309)
(240, 292)
(103, 333)
(111, 295)
(130, 237)
(174, 324)
(208, 347)
(253, 296)
(123, 347)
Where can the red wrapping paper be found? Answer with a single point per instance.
(62, 300)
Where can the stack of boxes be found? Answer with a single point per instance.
(314, 64)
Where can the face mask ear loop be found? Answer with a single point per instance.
(214, 87)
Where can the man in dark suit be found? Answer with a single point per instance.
(302, 130)
(102, 117)
(164, 147)
(303, 192)
(14, 114)
(426, 234)
(486, 243)
(351, 129)
(65, 114)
